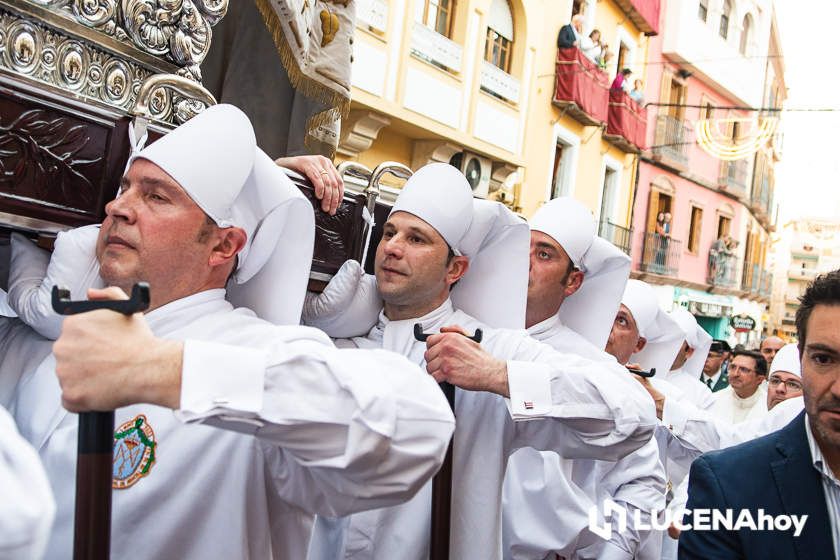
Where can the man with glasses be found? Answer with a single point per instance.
(745, 398)
(785, 381)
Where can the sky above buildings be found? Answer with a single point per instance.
(808, 177)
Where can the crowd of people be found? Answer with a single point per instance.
(572, 35)
(243, 433)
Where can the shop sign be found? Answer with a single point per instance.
(742, 323)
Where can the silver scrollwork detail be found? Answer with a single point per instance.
(94, 13)
(52, 57)
(178, 30)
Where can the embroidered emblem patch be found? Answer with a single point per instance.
(134, 452)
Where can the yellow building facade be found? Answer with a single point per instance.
(472, 82)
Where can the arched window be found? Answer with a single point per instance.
(497, 50)
(724, 18)
(745, 35)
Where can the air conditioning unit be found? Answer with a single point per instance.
(476, 169)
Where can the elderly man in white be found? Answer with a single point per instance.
(576, 281)
(306, 428)
(511, 391)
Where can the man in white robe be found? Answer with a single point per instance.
(688, 365)
(746, 396)
(578, 278)
(307, 429)
(511, 391)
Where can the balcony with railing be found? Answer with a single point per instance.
(756, 283)
(499, 83)
(766, 289)
(660, 254)
(733, 177)
(433, 47)
(626, 122)
(671, 141)
(643, 13)
(799, 273)
(617, 235)
(581, 88)
(373, 13)
(723, 269)
(751, 278)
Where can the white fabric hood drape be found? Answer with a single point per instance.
(494, 289)
(696, 337)
(590, 311)
(664, 336)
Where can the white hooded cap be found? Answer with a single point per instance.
(494, 289)
(210, 156)
(696, 337)
(787, 359)
(590, 311)
(214, 158)
(664, 336)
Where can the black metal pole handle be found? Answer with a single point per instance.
(642, 372)
(423, 337)
(139, 301)
(94, 462)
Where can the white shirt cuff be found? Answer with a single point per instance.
(529, 386)
(674, 416)
(218, 377)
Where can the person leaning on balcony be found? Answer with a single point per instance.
(622, 80)
(637, 93)
(591, 46)
(716, 257)
(570, 34)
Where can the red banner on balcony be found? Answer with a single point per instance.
(581, 82)
(627, 119)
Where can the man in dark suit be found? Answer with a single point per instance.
(795, 471)
(714, 374)
(570, 33)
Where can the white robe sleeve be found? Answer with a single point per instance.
(33, 272)
(342, 430)
(555, 515)
(580, 408)
(27, 507)
(21, 350)
(704, 431)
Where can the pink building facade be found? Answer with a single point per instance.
(700, 224)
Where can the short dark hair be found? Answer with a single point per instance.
(626, 71)
(824, 290)
(760, 362)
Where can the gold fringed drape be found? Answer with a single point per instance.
(318, 68)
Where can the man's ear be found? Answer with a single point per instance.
(574, 282)
(456, 268)
(640, 344)
(689, 352)
(229, 242)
